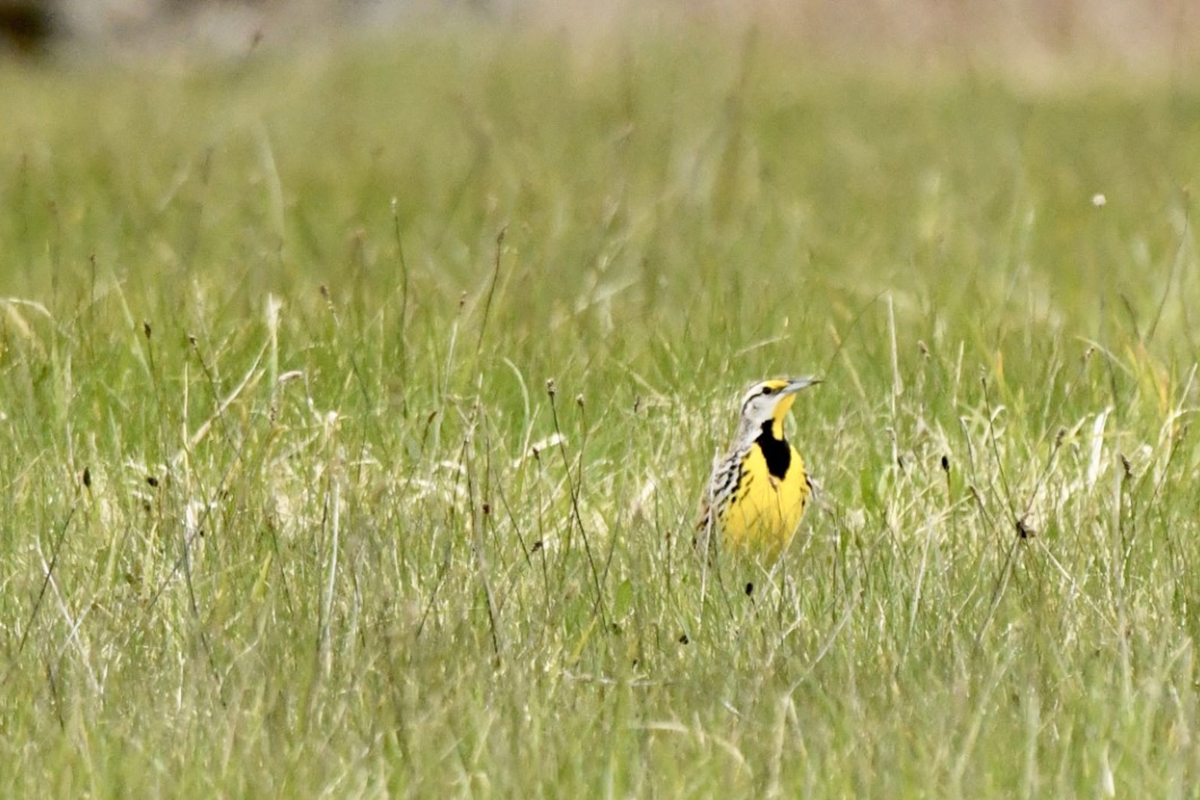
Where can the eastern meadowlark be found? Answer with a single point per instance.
(758, 491)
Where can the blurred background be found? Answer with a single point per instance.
(1030, 37)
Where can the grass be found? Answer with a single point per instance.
(291, 509)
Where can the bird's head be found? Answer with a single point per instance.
(768, 402)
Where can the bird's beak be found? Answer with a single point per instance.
(796, 384)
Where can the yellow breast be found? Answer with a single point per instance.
(765, 510)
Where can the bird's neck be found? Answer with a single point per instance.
(773, 428)
(775, 451)
(748, 433)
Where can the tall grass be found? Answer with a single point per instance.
(356, 406)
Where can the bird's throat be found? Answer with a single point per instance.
(776, 451)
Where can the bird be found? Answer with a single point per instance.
(758, 491)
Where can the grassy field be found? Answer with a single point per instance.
(292, 508)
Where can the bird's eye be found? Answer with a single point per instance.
(768, 390)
